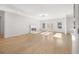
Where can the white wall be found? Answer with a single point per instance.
(55, 26)
(67, 24)
(70, 23)
(15, 24)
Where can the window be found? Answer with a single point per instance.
(59, 25)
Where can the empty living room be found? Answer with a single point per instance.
(39, 28)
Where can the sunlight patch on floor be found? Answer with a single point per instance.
(58, 35)
(46, 33)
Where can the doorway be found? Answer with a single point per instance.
(1, 28)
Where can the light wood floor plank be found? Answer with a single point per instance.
(41, 43)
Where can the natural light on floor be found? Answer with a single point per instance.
(46, 33)
(58, 35)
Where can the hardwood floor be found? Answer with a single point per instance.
(1, 35)
(42, 43)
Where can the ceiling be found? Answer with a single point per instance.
(51, 10)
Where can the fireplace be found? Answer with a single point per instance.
(33, 29)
